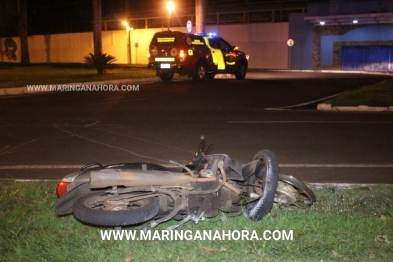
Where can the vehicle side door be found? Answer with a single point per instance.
(227, 50)
(216, 53)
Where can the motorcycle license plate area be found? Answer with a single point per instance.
(165, 66)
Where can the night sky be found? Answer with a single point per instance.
(66, 16)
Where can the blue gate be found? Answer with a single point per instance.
(367, 58)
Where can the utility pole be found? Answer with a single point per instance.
(22, 13)
(128, 29)
(97, 37)
(126, 10)
(200, 16)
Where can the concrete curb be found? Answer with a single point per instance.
(318, 186)
(23, 90)
(361, 108)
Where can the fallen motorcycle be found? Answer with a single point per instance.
(136, 193)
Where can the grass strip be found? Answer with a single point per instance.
(21, 76)
(380, 94)
(343, 225)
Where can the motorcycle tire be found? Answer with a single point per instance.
(267, 171)
(90, 210)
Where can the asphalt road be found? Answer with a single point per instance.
(50, 135)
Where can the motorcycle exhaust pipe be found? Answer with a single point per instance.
(267, 170)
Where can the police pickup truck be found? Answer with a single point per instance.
(198, 56)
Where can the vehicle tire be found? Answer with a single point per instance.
(266, 172)
(241, 71)
(90, 209)
(166, 76)
(210, 76)
(200, 72)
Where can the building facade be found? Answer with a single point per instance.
(327, 35)
(343, 35)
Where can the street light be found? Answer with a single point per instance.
(128, 29)
(170, 6)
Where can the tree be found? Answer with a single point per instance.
(13, 20)
(100, 61)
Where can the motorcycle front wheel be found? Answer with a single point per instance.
(103, 209)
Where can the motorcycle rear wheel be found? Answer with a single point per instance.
(94, 209)
(290, 185)
(290, 191)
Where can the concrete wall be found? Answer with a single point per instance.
(301, 54)
(359, 36)
(264, 43)
(319, 47)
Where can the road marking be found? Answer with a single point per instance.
(293, 165)
(338, 165)
(41, 167)
(304, 104)
(301, 122)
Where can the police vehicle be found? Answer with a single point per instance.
(198, 56)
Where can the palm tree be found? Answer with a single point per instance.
(100, 61)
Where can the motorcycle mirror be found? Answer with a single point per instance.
(198, 155)
(207, 150)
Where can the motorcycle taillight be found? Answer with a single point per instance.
(62, 188)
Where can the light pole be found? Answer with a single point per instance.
(128, 29)
(170, 6)
(200, 16)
